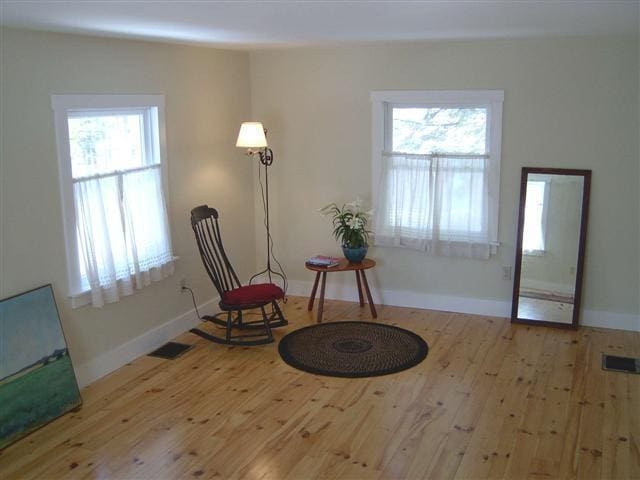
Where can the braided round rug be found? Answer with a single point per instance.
(352, 349)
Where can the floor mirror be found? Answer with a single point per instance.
(552, 230)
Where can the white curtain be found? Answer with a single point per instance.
(123, 235)
(437, 203)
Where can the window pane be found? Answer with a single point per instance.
(99, 230)
(415, 185)
(462, 206)
(451, 130)
(410, 191)
(533, 233)
(106, 143)
(148, 239)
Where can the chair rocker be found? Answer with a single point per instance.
(233, 296)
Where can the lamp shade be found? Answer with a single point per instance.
(251, 135)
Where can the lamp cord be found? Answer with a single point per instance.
(269, 237)
(193, 298)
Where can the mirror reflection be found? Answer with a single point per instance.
(550, 247)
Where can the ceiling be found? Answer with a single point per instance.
(261, 24)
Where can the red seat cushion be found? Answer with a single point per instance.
(249, 294)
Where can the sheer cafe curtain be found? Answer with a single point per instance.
(435, 202)
(122, 232)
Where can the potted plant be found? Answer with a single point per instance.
(350, 228)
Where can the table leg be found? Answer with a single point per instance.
(359, 288)
(321, 301)
(313, 292)
(366, 289)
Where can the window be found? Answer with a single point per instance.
(112, 178)
(535, 217)
(436, 170)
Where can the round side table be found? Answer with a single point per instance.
(343, 266)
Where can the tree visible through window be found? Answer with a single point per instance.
(430, 130)
(104, 143)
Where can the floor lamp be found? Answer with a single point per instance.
(252, 136)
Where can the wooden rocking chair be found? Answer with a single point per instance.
(233, 296)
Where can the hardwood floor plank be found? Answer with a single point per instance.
(460, 370)
(545, 461)
(466, 419)
(616, 461)
(499, 425)
(491, 400)
(590, 441)
(632, 348)
(530, 432)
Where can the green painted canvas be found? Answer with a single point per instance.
(37, 381)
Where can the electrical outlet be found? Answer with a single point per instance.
(183, 284)
(506, 273)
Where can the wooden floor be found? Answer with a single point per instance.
(492, 400)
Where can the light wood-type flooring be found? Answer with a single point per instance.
(492, 400)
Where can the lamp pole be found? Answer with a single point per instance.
(266, 159)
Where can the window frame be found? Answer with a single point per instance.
(383, 102)
(64, 106)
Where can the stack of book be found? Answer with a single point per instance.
(323, 261)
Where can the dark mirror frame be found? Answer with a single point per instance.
(586, 190)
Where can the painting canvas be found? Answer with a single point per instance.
(37, 381)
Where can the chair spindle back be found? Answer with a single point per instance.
(204, 221)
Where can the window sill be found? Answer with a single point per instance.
(456, 248)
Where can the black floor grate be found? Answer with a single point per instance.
(620, 364)
(170, 350)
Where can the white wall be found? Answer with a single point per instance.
(569, 102)
(206, 99)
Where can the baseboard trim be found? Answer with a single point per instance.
(617, 321)
(407, 298)
(451, 303)
(107, 362)
(547, 286)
